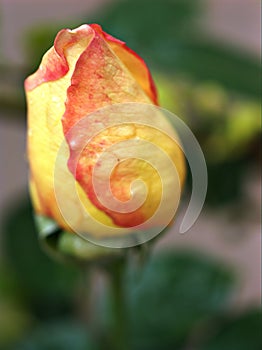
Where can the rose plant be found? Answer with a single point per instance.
(104, 160)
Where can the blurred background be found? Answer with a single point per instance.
(200, 290)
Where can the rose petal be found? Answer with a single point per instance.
(54, 64)
(135, 64)
(46, 105)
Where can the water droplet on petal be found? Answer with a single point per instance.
(73, 144)
(55, 99)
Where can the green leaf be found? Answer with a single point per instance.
(58, 335)
(207, 60)
(46, 285)
(176, 292)
(14, 322)
(232, 172)
(241, 333)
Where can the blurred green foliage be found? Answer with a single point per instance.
(179, 299)
(59, 335)
(44, 286)
(227, 126)
(177, 292)
(12, 99)
(241, 333)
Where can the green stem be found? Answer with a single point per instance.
(119, 317)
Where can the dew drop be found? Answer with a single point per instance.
(55, 99)
(73, 144)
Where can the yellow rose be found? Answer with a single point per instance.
(85, 71)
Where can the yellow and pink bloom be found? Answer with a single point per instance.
(86, 70)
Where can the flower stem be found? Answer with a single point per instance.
(119, 314)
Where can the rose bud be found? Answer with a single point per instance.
(85, 72)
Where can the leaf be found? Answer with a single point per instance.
(14, 322)
(58, 335)
(175, 293)
(205, 59)
(232, 172)
(241, 333)
(46, 285)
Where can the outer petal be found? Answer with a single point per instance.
(46, 92)
(101, 79)
(55, 64)
(135, 64)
